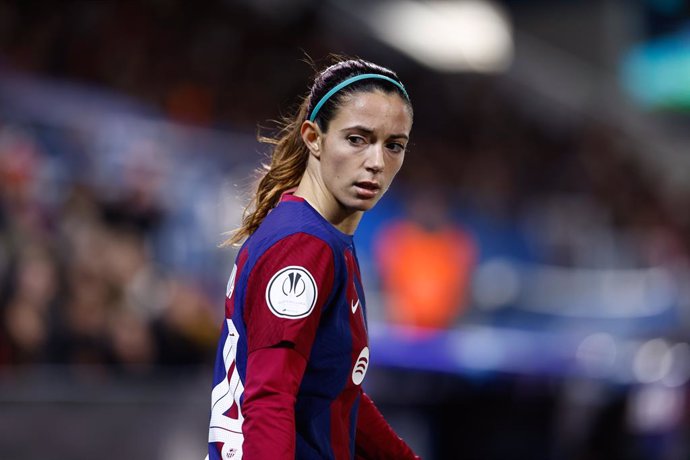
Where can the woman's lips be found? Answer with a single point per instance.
(367, 189)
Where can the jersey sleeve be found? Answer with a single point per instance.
(375, 439)
(286, 291)
(273, 379)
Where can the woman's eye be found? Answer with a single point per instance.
(396, 147)
(356, 140)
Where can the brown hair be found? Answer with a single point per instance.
(290, 153)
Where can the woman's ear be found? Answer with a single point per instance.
(311, 135)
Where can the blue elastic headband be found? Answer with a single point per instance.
(350, 80)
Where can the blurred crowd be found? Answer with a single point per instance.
(79, 284)
(216, 66)
(208, 66)
(561, 177)
(81, 281)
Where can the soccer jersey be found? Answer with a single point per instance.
(295, 315)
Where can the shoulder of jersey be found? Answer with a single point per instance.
(293, 217)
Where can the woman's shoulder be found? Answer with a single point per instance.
(291, 246)
(289, 237)
(294, 218)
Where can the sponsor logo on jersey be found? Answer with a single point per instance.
(354, 305)
(361, 366)
(291, 293)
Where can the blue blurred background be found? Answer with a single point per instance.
(526, 276)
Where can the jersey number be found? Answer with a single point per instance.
(226, 414)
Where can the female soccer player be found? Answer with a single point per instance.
(294, 350)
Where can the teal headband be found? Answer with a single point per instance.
(351, 80)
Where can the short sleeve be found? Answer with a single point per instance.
(286, 291)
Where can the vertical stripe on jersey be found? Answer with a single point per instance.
(343, 408)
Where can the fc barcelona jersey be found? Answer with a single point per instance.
(295, 284)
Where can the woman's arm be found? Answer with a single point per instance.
(273, 378)
(286, 291)
(375, 439)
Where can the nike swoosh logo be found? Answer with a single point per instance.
(354, 306)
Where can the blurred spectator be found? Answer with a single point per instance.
(31, 297)
(425, 262)
(187, 328)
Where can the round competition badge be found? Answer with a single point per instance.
(291, 293)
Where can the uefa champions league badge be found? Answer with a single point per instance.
(291, 293)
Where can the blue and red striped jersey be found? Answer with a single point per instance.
(295, 317)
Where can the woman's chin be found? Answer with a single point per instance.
(360, 204)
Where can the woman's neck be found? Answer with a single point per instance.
(318, 196)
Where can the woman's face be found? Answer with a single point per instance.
(364, 148)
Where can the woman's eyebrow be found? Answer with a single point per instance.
(366, 130)
(360, 128)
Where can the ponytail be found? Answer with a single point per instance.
(288, 163)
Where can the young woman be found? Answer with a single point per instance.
(293, 350)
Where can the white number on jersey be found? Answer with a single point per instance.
(227, 393)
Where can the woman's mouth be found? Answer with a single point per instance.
(367, 189)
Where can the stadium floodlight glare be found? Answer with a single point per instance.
(450, 36)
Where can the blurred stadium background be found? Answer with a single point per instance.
(527, 276)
